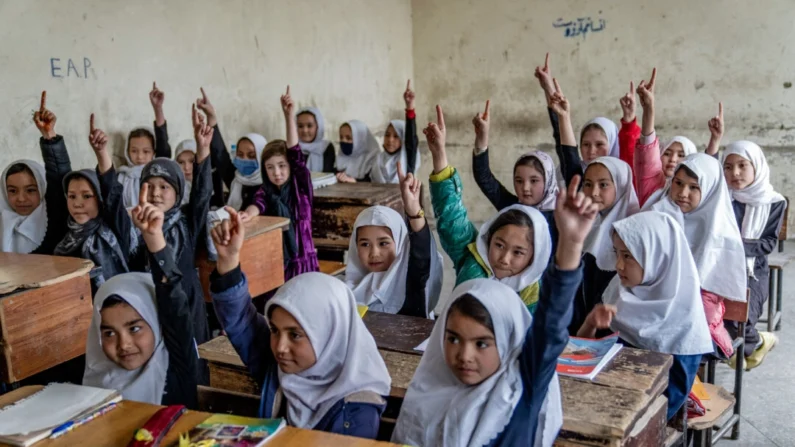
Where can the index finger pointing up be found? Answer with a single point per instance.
(143, 194)
(288, 90)
(408, 84)
(43, 101)
(653, 78)
(546, 62)
(204, 95)
(486, 112)
(557, 86)
(720, 110)
(439, 116)
(91, 123)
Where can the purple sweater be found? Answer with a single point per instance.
(305, 259)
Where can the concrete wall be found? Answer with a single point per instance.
(351, 58)
(733, 51)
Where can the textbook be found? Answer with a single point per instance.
(585, 357)
(230, 430)
(56, 406)
(323, 179)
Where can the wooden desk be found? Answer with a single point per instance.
(398, 333)
(261, 257)
(333, 268)
(44, 314)
(335, 208)
(117, 428)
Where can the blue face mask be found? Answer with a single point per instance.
(346, 148)
(245, 167)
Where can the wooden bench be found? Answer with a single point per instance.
(45, 312)
(776, 263)
(261, 257)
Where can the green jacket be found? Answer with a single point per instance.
(457, 234)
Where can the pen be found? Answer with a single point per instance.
(70, 425)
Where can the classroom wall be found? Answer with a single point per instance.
(734, 51)
(351, 58)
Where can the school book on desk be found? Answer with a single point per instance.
(230, 430)
(323, 179)
(585, 357)
(34, 418)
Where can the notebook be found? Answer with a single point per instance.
(584, 357)
(54, 405)
(230, 430)
(323, 179)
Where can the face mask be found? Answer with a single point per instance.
(245, 167)
(346, 148)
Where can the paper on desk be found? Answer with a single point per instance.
(52, 406)
(421, 347)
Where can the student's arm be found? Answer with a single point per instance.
(547, 336)
(202, 190)
(569, 155)
(412, 142)
(247, 330)
(544, 76)
(488, 184)
(162, 148)
(419, 268)
(330, 159)
(716, 132)
(289, 118)
(630, 132)
(648, 169)
(768, 241)
(646, 94)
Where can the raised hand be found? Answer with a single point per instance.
(574, 216)
(149, 219)
(408, 96)
(287, 103)
(228, 237)
(544, 76)
(436, 134)
(157, 97)
(646, 91)
(96, 137)
(481, 122)
(205, 106)
(202, 133)
(628, 104)
(716, 131)
(409, 191)
(44, 119)
(558, 101)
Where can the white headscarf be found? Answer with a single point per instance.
(664, 313)
(757, 197)
(347, 357)
(687, 145)
(550, 182)
(542, 248)
(385, 168)
(317, 148)
(147, 383)
(439, 410)
(365, 150)
(235, 199)
(23, 234)
(598, 242)
(711, 229)
(130, 175)
(611, 132)
(386, 291)
(186, 146)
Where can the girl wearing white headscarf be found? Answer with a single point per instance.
(760, 212)
(598, 255)
(320, 152)
(385, 168)
(714, 240)
(356, 159)
(130, 175)
(662, 313)
(412, 284)
(342, 392)
(186, 147)
(519, 403)
(248, 174)
(168, 375)
(598, 138)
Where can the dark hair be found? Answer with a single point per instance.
(471, 307)
(138, 133)
(511, 217)
(688, 172)
(113, 300)
(590, 127)
(17, 168)
(307, 112)
(271, 309)
(272, 149)
(533, 162)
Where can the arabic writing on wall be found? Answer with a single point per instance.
(580, 26)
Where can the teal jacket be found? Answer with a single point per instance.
(457, 234)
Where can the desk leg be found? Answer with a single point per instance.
(779, 288)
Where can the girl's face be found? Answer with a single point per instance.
(376, 248)
(245, 150)
(685, 191)
(289, 343)
(81, 200)
(593, 144)
(307, 127)
(23, 193)
(528, 183)
(470, 349)
(141, 150)
(628, 268)
(599, 186)
(671, 157)
(278, 170)
(346, 134)
(392, 141)
(185, 161)
(510, 250)
(127, 339)
(739, 172)
(161, 194)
